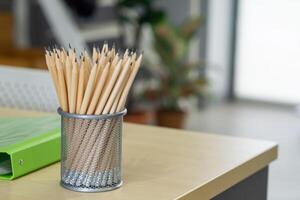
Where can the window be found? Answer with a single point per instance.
(267, 61)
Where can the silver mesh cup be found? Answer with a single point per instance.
(91, 150)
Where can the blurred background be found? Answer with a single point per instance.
(225, 67)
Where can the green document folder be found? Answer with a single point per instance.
(27, 144)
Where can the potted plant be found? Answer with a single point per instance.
(178, 78)
(137, 13)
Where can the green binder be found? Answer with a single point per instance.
(27, 144)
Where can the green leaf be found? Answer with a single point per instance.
(153, 17)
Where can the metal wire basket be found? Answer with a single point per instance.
(91, 150)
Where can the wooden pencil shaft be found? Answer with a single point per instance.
(104, 49)
(62, 62)
(57, 52)
(126, 53)
(115, 60)
(80, 88)
(62, 86)
(87, 71)
(111, 53)
(113, 65)
(116, 88)
(60, 59)
(98, 90)
(108, 89)
(101, 65)
(125, 59)
(125, 92)
(62, 56)
(73, 88)
(95, 55)
(68, 75)
(133, 57)
(71, 54)
(64, 51)
(114, 108)
(87, 58)
(53, 66)
(89, 90)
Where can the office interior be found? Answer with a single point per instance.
(242, 58)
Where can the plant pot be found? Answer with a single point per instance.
(171, 118)
(139, 117)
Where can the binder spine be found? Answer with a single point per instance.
(33, 154)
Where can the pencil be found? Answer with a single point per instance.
(92, 85)
(62, 85)
(73, 88)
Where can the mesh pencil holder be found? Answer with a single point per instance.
(91, 150)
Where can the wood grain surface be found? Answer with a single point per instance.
(158, 163)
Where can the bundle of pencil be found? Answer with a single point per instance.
(95, 85)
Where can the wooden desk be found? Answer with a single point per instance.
(161, 163)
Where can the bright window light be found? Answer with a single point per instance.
(268, 51)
